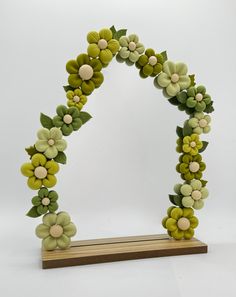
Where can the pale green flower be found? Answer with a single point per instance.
(131, 48)
(200, 123)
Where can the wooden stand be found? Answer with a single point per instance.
(121, 248)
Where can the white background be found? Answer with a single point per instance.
(121, 164)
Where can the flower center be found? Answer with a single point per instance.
(199, 97)
(132, 46)
(56, 231)
(196, 195)
(102, 44)
(40, 172)
(152, 60)
(86, 72)
(45, 201)
(76, 99)
(175, 78)
(194, 166)
(183, 224)
(192, 143)
(67, 119)
(51, 141)
(202, 123)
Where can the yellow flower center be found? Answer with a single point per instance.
(56, 231)
(194, 167)
(152, 60)
(183, 224)
(67, 119)
(76, 99)
(202, 123)
(175, 78)
(102, 44)
(196, 195)
(132, 46)
(199, 97)
(40, 172)
(51, 141)
(45, 201)
(192, 143)
(86, 72)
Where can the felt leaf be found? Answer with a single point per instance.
(84, 116)
(46, 121)
(113, 30)
(60, 158)
(179, 131)
(204, 182)
(205, 144)
(119, 33)
(192, 79)
(187, 130)
(174, 101)
(209, 108)
(171, 198)
(178, 200)
(68, 88)
(164, 55)
(31, 150)
(33, 212)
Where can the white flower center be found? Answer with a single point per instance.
(152, 60)
(45, 201)
(196, 195)
(202, 123)
(76, 99)
(132, 46)
(86, 72)
(67, 119)
(194, 167)
(175, 78)
(183, 224)
(192, 143)
(51, 141)
(40, 172)
(199, 97)
(102, 44)
(56, 231)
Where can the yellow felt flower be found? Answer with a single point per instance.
(191, 144)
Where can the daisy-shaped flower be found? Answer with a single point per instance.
(45, 201)
(200, 123)
(76, 98)
(131, 48)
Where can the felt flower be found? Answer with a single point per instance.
(131, 48)
(180, 222)
(193, 194)
(50, 142)
(191, 144)
(45, 201)
(150, 64)
(40, 172)
(200, 123)
(67, 119)
(195, 98)
(102, 45)
(56, 231)
(76, 98)
(85, 73)
(191, 167)
(173, 78)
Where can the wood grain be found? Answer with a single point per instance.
(120, 248)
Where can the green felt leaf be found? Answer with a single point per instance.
(119, 33)
(176, 200)
(179, 131)
(60, 158)
(209, 108)
(171, 198)
(33, 212)
(164, 55)
(205, 144)
(174, 101)
(192, 78)
(84, 116)
(113, 30)
(68, 88)
(204, 182)
(187, 130)
(31, 150)
(46, 121)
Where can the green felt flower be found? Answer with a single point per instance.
(173, 78)
(191, 144)
(193, 194)
(45, 201)
(200, 123)
(102, 45)
(150, 64)
(195, 99)
(191, 167)
(85, 73)
(76, 99)
(180, 222)
(67, 119)
(40, 172)
(56, 231)
(131, 48)
(50, 142)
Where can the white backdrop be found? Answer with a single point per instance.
(121, 164)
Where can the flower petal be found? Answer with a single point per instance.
(63, 242)
(198, 204)
(69, 229)
(177, 234)
(72, 67)
(105, 34)
(36, 201)
(50, 219)
(172, 89)
(93, 37)
(171, 224)
(163, 80)
(49, 243)
(74, 80)
(41, 145)
(187, 201)
(124, 53)
(43, 134)
(38, 160)
(193, 222)
(188, 212)
(169, 68)
(176, 213)
(181, 68)
(34, 183)
(204, 192)
(61, 145)
(124, 41)
(27, 169)
(42, 231)
(113, 46)
(51, 152)
(63, 218)
(49, 181)
(188, 234)
(186, 190)
(52, 167)
(184, 82)
(93, 50)
(55, 133)
(82, 59)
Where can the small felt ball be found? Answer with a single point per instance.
(202, 123)
(67, 119)
(183, 224)
(102, 43)
(196, 195)
(85, 72)
(194, 167)
(152, 60)
(45, 201)
(40, 172)
(132, 46)
(175, 78)
(199, 97)
(56, 231)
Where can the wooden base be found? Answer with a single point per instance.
(121, 248)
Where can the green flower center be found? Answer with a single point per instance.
(175, 78)
(199, 97)
(194, 167)
(196, 195)
(56, 231)
(86, 72)
(40, 172)
(192, 143)
(76, 99)
(102, 44)
(45, 201)
(67, 119)
(51, 142)
(183, 224)
(202, 123)
(152, 60)
(132, 46)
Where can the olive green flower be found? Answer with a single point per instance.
(200, 123)
(180, 222)
(76, 98)
(40, 172)
(67, 119)
(56, 231)
(102, 45)
(50, 142)
(45, 201)
(131, 48)
(85, 73)
(150, 64)
(173, 78)
(191, 167)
